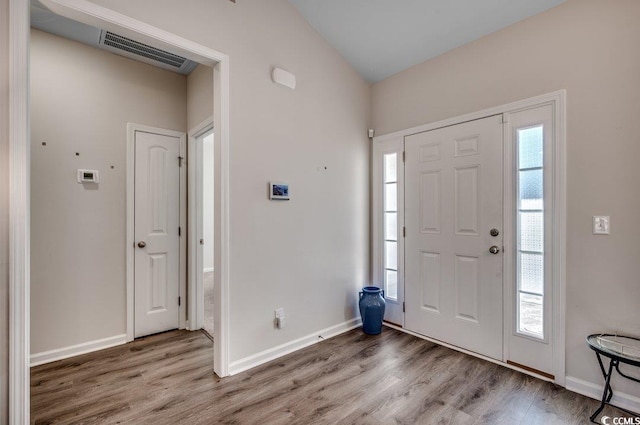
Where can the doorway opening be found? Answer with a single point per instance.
(89, 13)
(202, 200)
(207, 230)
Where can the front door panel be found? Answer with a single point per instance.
(453, 198)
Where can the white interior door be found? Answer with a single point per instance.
(453, 200)
(156, 230)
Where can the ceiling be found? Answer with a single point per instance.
(383, 37)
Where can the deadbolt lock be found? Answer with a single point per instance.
(494, 232)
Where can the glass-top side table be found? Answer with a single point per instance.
(618, 349)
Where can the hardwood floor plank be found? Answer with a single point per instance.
(567, 406)
(511, 402)
(391, 378)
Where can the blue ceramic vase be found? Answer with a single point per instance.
(372, 309)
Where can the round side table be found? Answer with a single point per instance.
(613, 347)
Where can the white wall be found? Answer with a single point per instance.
(590, 48)
(81, 101)
(199, 95)
(208, 202)
(311, 254)
(4, 211)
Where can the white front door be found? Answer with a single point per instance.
(156, 230)
(453, 263)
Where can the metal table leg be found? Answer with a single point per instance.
(608, 392)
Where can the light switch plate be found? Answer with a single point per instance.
(601, 224)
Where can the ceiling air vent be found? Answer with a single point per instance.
(144, 53)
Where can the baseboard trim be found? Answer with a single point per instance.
(289, 347)
(591, 390)
(76, 350)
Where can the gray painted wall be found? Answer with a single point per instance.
(199, 95)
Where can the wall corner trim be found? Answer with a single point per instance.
(76, 350)
(291, 346)
(19, 207)
(594, 391)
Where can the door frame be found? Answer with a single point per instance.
(558, 100)
(19, 169)
(130, 222)
(195, 285)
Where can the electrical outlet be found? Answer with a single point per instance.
(279, 313)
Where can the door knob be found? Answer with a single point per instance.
(494, 250)
(142, 244)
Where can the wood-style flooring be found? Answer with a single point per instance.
(392, 378)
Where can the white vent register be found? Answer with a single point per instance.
(132, 49)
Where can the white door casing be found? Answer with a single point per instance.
(453, 198)
(156, 230)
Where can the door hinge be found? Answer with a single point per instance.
(403, 306)
(403, 156)
(404, 232)
(179, 231)
(180, 161)
(179, 301)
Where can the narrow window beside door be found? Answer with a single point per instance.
(530, 232)
(390, 202)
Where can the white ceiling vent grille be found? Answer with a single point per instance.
(144, 53)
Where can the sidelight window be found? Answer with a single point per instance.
(530, 231)
(390, 223)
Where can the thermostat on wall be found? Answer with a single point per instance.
(278, 191)
(87, 176)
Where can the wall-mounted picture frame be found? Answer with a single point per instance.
(278, 191)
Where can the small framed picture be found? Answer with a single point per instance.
(279, 191)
